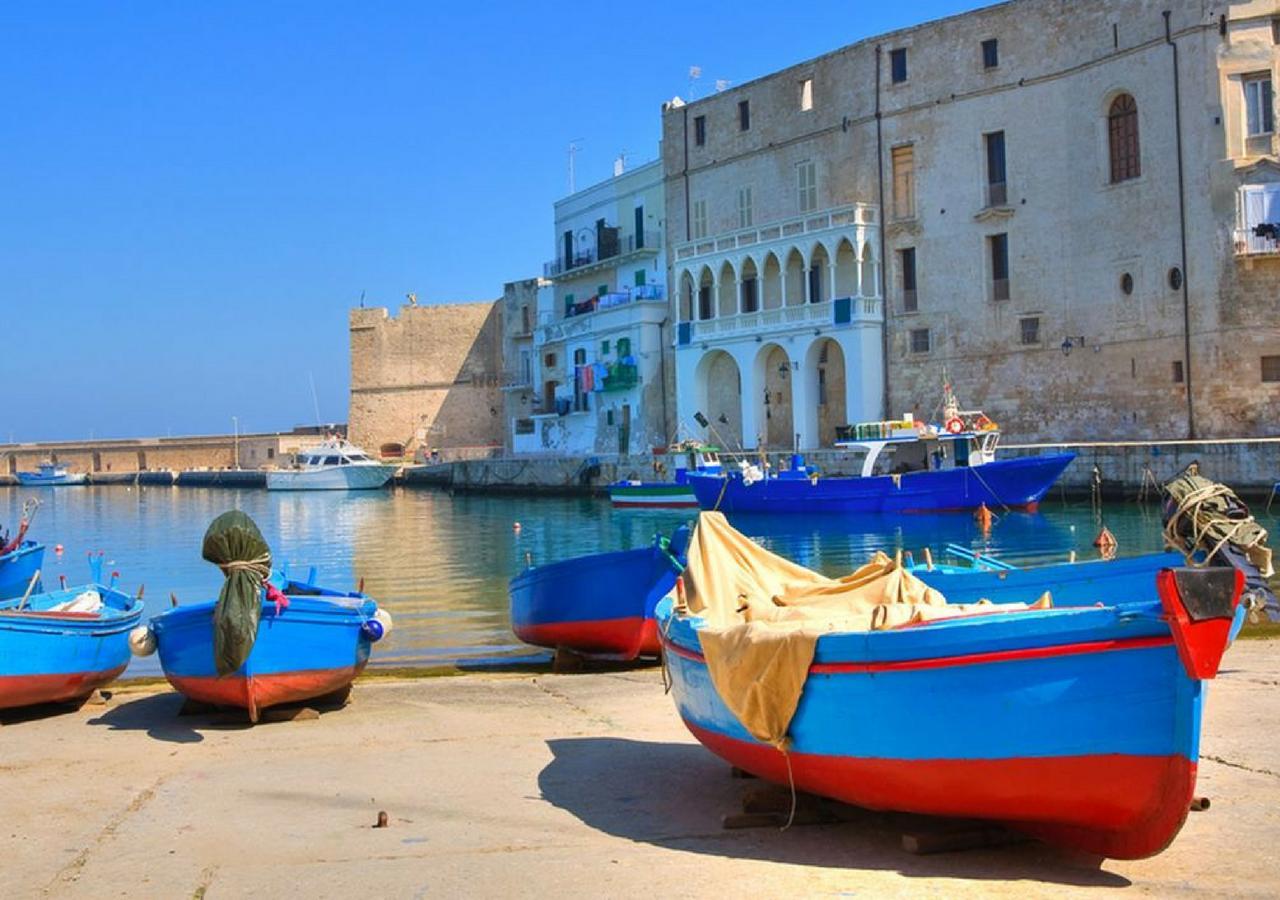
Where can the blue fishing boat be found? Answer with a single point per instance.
(51, 474)
(59, 647)
(1079, 726)
(18, 567)
(314, 644)
(599, 605)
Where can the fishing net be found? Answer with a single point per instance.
(234, 544)
(1207, 518)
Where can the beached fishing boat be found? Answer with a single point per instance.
(268, 639)
(59, 647)
(51, 474)
(18, 567)
(1076, 725)
(634, 493)
(598, 605)
(334, 465)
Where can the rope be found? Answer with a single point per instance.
(978, 475)
(791, 782)
(1202, 521)
(724, 487)
(260, 566)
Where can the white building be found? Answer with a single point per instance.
(598, 357)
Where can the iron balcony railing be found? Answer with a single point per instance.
(650, 241)
(1249, 243)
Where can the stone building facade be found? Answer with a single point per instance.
(1054, 206)
(427, 378)
(519, 321)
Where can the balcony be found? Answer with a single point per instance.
(582, 319)
(837, 217)
(1248, 242)
(607, 253)
(780, 321)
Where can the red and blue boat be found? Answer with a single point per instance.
(601, 605)
(1079, 726)
(315, 645)
(18, 566)
(61, 646)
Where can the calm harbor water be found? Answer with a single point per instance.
(440, 564)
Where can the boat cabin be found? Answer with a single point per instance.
(923, 453)
(333, 453)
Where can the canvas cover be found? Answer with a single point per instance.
(764, 615)
(234, 543)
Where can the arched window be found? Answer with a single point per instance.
(1122, 134)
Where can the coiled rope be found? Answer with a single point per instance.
(1201, 516)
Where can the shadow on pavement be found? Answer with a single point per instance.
(674, 795)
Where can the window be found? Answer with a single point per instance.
(1177, 371)
(1029, 328)
(904, 182)
(806, 94)
(604, 348)
(700, 130)
(919, 340)
(907, 260)
(1271, 369)
(990, 53)
(999, 246)
(1126, 284)
(997, 189)
(744, 115)
(526, 367)
(1257, 105)
(639, 278)
(807, 182)
(815, 284)
(898, 65)
(822, 386)
(624, 348)
(699, 218)
(750, 297)
(602, 289)
(549, 361)
(1122, 138)
(704, 302)
(524, 320)
(744, 207)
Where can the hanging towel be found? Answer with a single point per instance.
(601, 373)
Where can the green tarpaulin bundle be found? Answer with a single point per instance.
(234, 544)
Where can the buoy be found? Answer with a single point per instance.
(1106, 543)
(57, 548)
(384, 618)
(142, 641)
(515, 526)
(983, 515)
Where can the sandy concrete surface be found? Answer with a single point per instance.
(534, 785)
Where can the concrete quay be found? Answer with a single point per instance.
(529, 784)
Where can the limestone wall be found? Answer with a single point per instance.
(429, 376)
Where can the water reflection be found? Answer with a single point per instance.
(441, 564)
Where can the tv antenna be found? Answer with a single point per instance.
(695, 72)
(574, 146)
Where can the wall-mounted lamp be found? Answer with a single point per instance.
(1071, 342)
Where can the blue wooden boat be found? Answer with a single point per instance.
(51, 654)
(51, 474)
(905, 472)
(18, 567)
(315, 646)
(601, 605)
(1079, 726)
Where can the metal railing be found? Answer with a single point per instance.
(1249, 243)
(821, 220)
(648, 241)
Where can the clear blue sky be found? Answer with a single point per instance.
(194, 193)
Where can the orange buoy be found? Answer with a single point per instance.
(983, 515)
(1106, 543)
(58, 549)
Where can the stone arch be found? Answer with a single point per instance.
(687, 300)
(867, 272)
(826, 376)
(706, 293)
(727, 290)
(846, 261)
(718, 393)
(749, 284)
(771, 282)
(819, 273)
(775, 419)
(794, 269)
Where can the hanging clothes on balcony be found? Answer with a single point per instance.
(599, 374)
(586, 379)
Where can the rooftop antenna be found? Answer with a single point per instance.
(362, 299)
(574, 147)
(315, 403)
(695, 72)
(620, 164)
(722, 84)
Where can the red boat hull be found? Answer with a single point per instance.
(258, 692)
(30, 690)
(628, 637)
(1117, 806)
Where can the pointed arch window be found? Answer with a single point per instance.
(1122, 134)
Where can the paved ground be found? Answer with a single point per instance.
(521, 785)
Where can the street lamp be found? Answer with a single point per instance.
(1070, 342)
(235, 426)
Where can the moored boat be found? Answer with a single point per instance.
(59, 647)
(1007, 713)
(335, 465)
(51, 474)
(18, 567)
(601, 605)
(633, 493)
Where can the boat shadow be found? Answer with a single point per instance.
(159, 715)
(675, 795)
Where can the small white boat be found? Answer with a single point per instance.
(335, 465)
(49, 473)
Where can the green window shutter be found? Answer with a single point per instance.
(639, 277)
(602, 290)
(604, 348)
(624, 347)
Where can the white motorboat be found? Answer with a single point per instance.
(335, 465)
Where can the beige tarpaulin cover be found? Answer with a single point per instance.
(764, 615)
